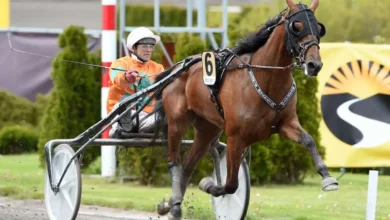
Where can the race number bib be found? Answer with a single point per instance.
(209, 69)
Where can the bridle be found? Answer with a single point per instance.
(297, 50)
(305, 16)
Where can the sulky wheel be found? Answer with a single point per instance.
(232, 206)
(65, 204)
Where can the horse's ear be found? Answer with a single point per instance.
(290, 3)
(314, 4)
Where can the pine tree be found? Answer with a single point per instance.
(74, 103)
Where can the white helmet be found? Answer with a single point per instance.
(138, 34)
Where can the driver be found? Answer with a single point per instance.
(141, 43)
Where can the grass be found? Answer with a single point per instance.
(22, 178)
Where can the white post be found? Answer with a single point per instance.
(109, 49)
(225, 39)
(189, 13)
(201, 5)
(371, 194)
(157, 15)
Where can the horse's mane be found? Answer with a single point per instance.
(257, 39)
(251, 43)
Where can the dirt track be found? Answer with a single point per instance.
(35, 210)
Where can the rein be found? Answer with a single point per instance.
(247, 65)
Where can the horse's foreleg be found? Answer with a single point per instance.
(294, 131)
(235, 148)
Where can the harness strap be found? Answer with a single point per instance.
(137, 123)
(277, 107)
(243, 64)
(214, 90)
(215, 100)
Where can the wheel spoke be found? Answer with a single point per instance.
(237, 199)
(57, 175)
(70, 176)
(220, 203)
(65, 184)
(67, 199)
(64, 161)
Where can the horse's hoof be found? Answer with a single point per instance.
(206, 183)
(163, 207)
(175, 213)
(329, 184)
(170, 217)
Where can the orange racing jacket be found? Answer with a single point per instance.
(119, 86)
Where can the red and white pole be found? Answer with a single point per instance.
(109, 49)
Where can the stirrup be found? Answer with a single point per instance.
(119, 133)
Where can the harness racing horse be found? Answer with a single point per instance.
(257, 78)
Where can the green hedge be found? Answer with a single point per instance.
(169, 16)
(363, 21)
(17, 110)
(18, 139)
(143, 15)
(188, 45)
(19, 120)
(148, 165)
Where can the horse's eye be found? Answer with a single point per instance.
(297, 27)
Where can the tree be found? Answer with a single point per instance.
(345, 20)
(74, 103)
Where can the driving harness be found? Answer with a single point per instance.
(224, 58)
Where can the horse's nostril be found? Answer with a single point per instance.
(311, 66)
(314, 67)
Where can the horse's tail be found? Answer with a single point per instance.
(161, 124)
(160, 77)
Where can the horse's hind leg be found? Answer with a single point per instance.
(176, 130)
(293, 131)
(235, 148)
(178, 118)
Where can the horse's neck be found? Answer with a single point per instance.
(273, 53)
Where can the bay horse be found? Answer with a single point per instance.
(248, 97)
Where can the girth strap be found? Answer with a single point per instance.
(214, 90)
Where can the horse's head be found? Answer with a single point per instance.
(303, 33)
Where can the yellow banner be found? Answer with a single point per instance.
(4, 13)
(354, 98)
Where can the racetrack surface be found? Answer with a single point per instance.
(11, 209)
